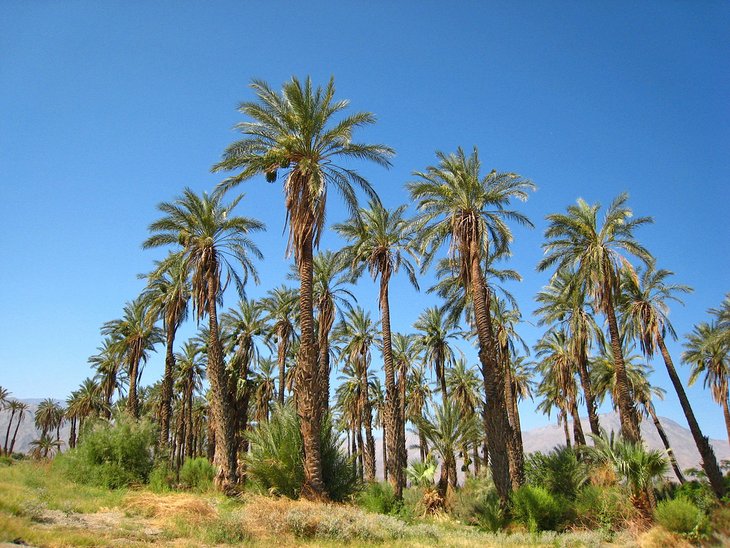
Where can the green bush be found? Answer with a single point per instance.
(477, 503)
(378, 498)
(111, 455)
(697, 492)
(536, 508)
(197, 474)
(681, 516)
(275, 459)
(5, 460)
(162, 477)
(606, 508)
(560, 472)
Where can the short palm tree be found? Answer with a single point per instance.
(460, 206)
(381, 240)
(212, 241)
(48, 417)
(465, 389)
(86, 401)
(597, 255)
(44, 447)
(168, 295)
(280, 305)
(296, 132)
(645, 312)
(189, 374)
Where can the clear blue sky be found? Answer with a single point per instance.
(108, 108)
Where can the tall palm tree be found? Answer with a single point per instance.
(19, 408)
(13, 407)
(708, 352)
(436, 329)
(211, 239)
(87, 400)
(296, 132)
(465, 390)
(4, 398)
(597, 255)
(381, 240)
(406, 353)
(107, 363)
(48, 416)
(280, 306)
(168, 295)
(190, 371)
(563, 303)
(134, 336)
(645, 313)
(418, 397)
(358, 333)
(461, 206)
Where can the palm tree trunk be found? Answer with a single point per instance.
(585, 382)
(563, 418)
(385, 459)
(369, 453)
(189, 445)
(281, 359)
(166, 396)
(221, 406)
(627, 411)
(15, 434)
(578, 435)
(132, 402)
(401, 434)
(665, 440)
(72, 435)
(497, 424)
(7, 432)
(308, 381)
(391, 415)
(360, 452)
(512, 413)
(726, 412)
(324, 326)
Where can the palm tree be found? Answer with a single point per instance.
(708, 352)
(19, 408)
(436, 330)
(459, 205)
(465, 389)
(134, 336)
(646, 316)
(84, 402)
(48, 416)
(265, 389)
(4, 398)
(296, 132)
(211, 238)
(280, 305)
(167, 296)
(381, 241)
(574, 241)
(563, 303)
(418, 397)
(358, 333)
(190, 371)
(406, 353)
(14, 407)
(44, 447)
(107, 362)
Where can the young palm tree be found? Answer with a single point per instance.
(134, 336)
(381, 241)
(84, 402)
(280, 306)
(167, 295)
(646, 315)
(462, 207)
(575, 242)
(436, 330)
(296, 132)
(708, 352)
(563, 303)
(419, 395)
(48, 417)
(211, 240)
(44, 447)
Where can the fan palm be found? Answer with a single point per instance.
(167, 295)
(597, 255)
(296, 132)
(381, 240)
(211, 239)
(468, 210)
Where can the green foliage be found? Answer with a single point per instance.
(162, 477)
(560, 472)
(379, 498)
(5, 460)
(536, 508)
(606, 508)
(477, 503)
(697, 492)
(681, 516)
(112, 455)
(197, 474)
(275, 459)
(421, 473)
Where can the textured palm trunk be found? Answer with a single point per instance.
(360, 452)
(189, 443)
(726, 411)
(308, 382)
(401, 441)
(578, 435)
(709, 461)
(422, 445)
(132, 402)
(385, 460)
(15, 435)
(627, 411)
(369, 453)
(497, 426)
(513, 416)
(281, 359)
(563, 418)
(391, 415)
(7, 432)
(323, 361)
(221, 407)
(665, 440)
(166, 403)
(585, 382)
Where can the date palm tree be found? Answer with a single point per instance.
(297, 132)
(598, 255)
(265, 389)
(465, 389)
(134, 336)
(107, 363)
(460, 206)
(19, 408)
(280, 305)
(48, 416)
(436, 329)
(406, 353)
(212, 241)
(168, 295)
(381, 240)
(189, 372)
(86, 401)
(645, 311)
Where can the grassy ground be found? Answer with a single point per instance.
(38, 506)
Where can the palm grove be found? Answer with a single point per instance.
(602, 279)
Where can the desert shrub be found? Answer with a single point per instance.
(378, 498)
(5, 460)
(275, 459)
(559, 471)
(111, 455)
(681, 516)
(162, 477)
(697, 492)
(477, 503)
(197, 473)
(536, 508)
(608, 509)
